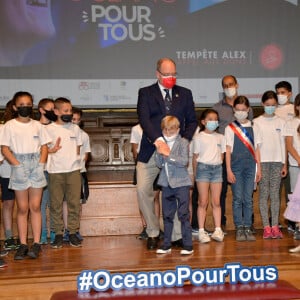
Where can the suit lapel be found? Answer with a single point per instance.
(159, 98)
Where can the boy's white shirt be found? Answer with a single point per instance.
(66, 159)
(84, 149)
(290, 129)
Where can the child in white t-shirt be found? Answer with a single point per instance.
(209, 148)
(24, 145)
(269, 130)
(85, 150)
(63, 167)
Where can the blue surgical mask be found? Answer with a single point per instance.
(269, 110)
(212, 125)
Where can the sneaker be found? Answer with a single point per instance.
(295, 250)
(163, 250)
(203, 237)
(267, 233)
(44, 239)
(52, 237)
(74, 241)
(21, 252)
(34, 250)
(186, 251)
(291, 228)
(218, 235)
(17, 243)
(240, 235)
(3, 253)
(276, 232)
(58, 241)
(143, 235)
(297, 234)
(79, 236)
(66, 236)
(195, 231)
(249, 234)
(9, 244)
(2, 263)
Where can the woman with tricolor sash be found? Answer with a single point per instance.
(243, 167)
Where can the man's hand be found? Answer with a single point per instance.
(162, 147)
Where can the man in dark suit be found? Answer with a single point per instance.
(154, 103)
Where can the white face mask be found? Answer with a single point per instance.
(230, 92)
(282, 99)
(241, 115)
(171, 138)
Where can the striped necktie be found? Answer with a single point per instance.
(168, 101)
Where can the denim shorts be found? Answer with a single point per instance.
(209, 173)
(29, 173)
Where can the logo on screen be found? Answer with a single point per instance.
(120, 23)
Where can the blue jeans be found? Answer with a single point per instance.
(242, 190)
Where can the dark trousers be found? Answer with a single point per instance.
(176, 199)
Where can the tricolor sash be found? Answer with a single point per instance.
(244, 136)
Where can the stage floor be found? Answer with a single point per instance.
(57, 269)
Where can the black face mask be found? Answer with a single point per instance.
(24, 111)
(50, 115)
(66, 118)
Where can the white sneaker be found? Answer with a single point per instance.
(203, 237)
(186, 252)
(218, 235)
(163, 250)
(295, 250)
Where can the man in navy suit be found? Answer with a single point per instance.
(153, 106)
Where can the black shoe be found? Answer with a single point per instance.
(10, 244)
(21, 252)
(178, 243)
(74, 240)
(2, 263)
(58, 241)
(143, 235)
(152, 243)
(34, 251)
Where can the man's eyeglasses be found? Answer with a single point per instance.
(168, 74)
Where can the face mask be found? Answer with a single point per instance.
(282, 99)
(50, 115)
(241, 115)
(80, 124)
(212, 125)
(66, 118)
(168, 82)
(24, 111)
(171, 138)
(230, 92)
(269, 110)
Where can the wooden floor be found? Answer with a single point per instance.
(57, 269)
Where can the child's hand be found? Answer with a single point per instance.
(230, 177)
(56, 147)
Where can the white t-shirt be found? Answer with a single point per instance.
(85, 148)
(24, 138)
(136, 136)
(270, 138)
(285, 112)
(290, 129)
(66, 158)
(5, 168)
(229, 135)
(210, 147)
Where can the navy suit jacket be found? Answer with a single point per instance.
(151, 110)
